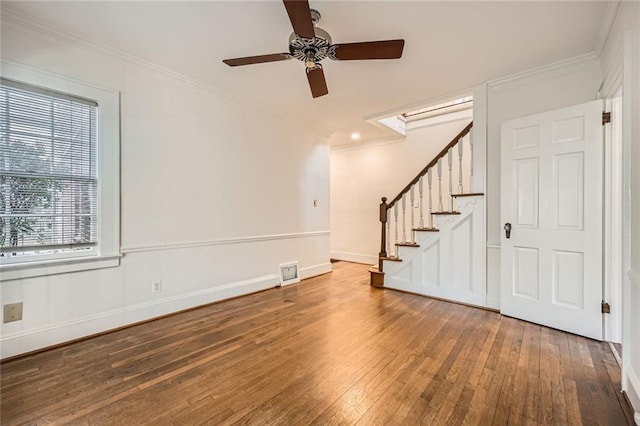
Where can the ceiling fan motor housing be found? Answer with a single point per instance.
(311, 50)
(311, 45)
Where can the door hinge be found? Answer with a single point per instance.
(606, 309)
(606, 118)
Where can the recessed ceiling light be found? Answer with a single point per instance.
(355, 136)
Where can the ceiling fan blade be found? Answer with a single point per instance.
(317, 82)
(387, 49)
(248, 60)
(300, 17)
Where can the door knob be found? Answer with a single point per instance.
(507, 229)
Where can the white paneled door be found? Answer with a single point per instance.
(552, 201)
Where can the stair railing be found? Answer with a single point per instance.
(400, 201)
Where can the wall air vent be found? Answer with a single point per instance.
(289, 273)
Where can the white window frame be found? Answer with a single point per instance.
(107, 252)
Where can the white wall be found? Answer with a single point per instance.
(215, 195)
(548, 88)
(361, 175)
(621, 64)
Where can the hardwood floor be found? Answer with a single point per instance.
(330, 350)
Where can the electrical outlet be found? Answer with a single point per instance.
(156, 286)
(12, 312)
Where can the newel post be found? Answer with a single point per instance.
(383, 239)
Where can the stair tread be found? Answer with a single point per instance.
(468, 194)
(391, 258)
(426, 229)
(408, 244)
(444, 213)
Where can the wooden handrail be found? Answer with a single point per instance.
(432, 163)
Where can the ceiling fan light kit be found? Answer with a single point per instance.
(311, 45)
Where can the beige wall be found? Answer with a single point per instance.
(214, 196)
(360, 176)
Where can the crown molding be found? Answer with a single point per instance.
(553, 69)
(11, 16)
(611, 14)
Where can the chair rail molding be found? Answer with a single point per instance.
(223, 241)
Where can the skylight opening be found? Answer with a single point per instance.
(438, 109)
(429, 115)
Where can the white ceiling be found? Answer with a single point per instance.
(450, 47)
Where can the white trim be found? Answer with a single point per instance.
(466, 114)
(627, 133)
(546, 71)
(633, 392)
(27, 22)
(634, 278)
(223, 241)
(613, 207)
(25, 341)
(315, 270)
(610, 16)
(367, 259)
(479, 138)
(495, 246)
(373, 118)
(19, 271)
(615, 353)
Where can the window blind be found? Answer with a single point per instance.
(48, 176)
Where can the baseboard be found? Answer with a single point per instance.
(367, 259)
(313, 270)
(633, 392)
(34, 339)
(44, 337)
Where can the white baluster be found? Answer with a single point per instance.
(420, 184)
(429, 180)
(440, 184)
(450, 163)
(395, 214)
(470, 162)
(460, 144)
(404, 218)
(412, 198)
(388, 234)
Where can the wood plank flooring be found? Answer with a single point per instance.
(330, 350)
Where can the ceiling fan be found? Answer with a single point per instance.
(311, 45)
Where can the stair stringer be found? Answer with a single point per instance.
(449, 264)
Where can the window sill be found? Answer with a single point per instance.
(19, 271)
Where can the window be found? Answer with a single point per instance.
(59, 209)
(48, 178)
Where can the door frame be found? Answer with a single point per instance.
(613, 216)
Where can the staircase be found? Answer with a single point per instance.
(433, 232)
